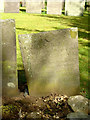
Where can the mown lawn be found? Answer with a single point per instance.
(34, 23)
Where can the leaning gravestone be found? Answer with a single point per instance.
(34, 6)
(54, 7)
(74, 8)
(51, 61)
(11, 6)
(9, 75)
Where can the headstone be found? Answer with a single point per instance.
(11, 6)
(54, 7)
(51, 62)
(9, 73)
(34, 6)
(63, 4)
(23, 3)
(43, 4)
(74, 7)
(1, 6)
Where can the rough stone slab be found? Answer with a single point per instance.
(33, 6)
(79, 104)
(78, 116)
(11, 7)
(54, 7)
(51, 61)
(9, 73)
(74, 8)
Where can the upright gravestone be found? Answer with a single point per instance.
(34, 6)
(9, 73)
(74, 8)
(51, 62)
(43, 4)
(54, 7)
(1, 6)
(23, 3)
(11, 6)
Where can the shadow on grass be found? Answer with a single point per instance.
(72, 21)
(30, 30)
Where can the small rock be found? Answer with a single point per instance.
(26, 92)
(78, 104)
(34, 115)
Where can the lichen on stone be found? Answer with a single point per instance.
(73, 32)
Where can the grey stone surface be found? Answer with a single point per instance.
(54, 7)
(34, 6)
(11, 7)
(9, 73)
(77, 116)
(51, 61)
(74, 8)
(79, 103)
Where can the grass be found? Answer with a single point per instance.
(33, 23)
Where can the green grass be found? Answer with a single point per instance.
(33, 23)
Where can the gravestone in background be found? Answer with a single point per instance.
(1, 6)
(54, 7)
(51, 61)
(11, 6)
(9, 73)
(43, 4)
(74, 8)
(23, 3)
(34, 6)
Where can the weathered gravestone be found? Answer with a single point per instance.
(34, 6)
(9, 75)
(54, 7)
(74, 8)
(11, 6)
(51, 61)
